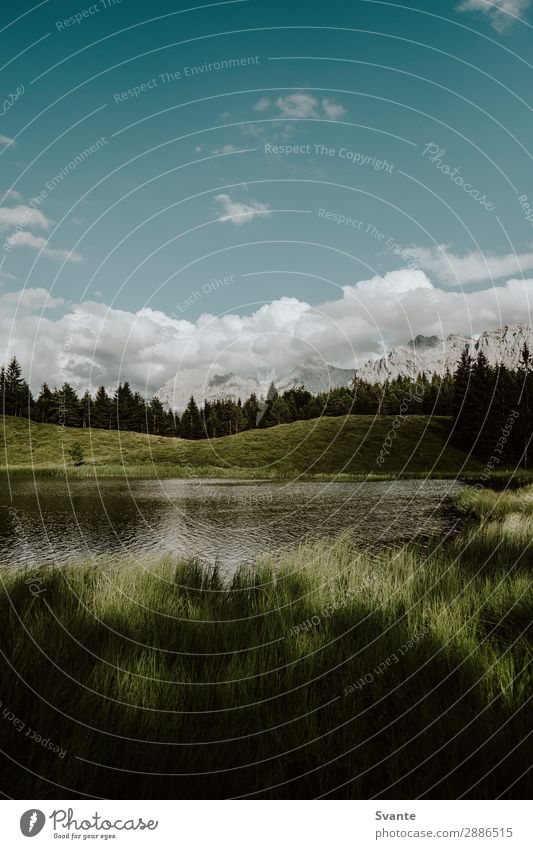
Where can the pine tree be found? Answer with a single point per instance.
(250, 410)
(208, 420)
(85, 407)
(239, 418)
(14, 401)
(278, 412)
(123, 408)
(480, 427)
(101, 409)
(3, 389)
(67, 407)
(445, 395)
(173, 423)
(170, 425)
(191, 422)
(156, 417)
(44, 406)
(138, 419)
(522, 431)
(460, 389)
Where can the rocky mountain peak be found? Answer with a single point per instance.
(420, 342)
(428, 354)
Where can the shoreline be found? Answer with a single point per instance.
(499, 479)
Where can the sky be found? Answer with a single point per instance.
(244, 185)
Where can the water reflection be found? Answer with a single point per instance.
(227, 522)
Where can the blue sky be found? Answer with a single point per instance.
(247, 183)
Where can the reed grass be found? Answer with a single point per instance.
(327, 672)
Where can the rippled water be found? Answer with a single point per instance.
(218, 521)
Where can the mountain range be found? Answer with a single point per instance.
(429, 354)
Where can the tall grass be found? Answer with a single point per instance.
(502, 535)
(329, 672)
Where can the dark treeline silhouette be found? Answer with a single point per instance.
(491, 406)
(124, 410)
(492, 409)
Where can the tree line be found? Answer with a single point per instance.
(478, 396)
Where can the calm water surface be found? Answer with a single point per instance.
(218, 521)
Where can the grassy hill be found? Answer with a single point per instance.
(347, 445)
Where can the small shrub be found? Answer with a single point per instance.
(75, 453)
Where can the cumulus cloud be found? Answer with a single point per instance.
(298, 105)
(14, 220)
(501, 13)
(22, 215)
(238, 212)
(302, 104)
(25, 239)
(262, 104)
(91, 343)
(475, 267)
(32, 299)
(333, 110)
(11, 193)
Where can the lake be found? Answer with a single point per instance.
(228, 522)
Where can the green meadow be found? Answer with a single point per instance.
(340, 446)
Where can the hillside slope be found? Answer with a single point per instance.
(348, 444)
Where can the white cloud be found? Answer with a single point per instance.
(501, 13)
(253, 130)
(25, 239)
(22, 216)
(32, 299)
(239, 212)
(6, 140)
(262, 104)
(6, 276)
(227, 148)
(394, 282)
(475, 267)
(302, 104)
(14, 219)
(298, 105)
(333, 111)
(11, 193)
(92, 340)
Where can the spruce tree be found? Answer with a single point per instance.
(460, 389)
(191, 422)
(479, 429)
(68, 407)
(123, 407)
(101, 408)
(44, 406)
(14, 389)
(156, 417)
(85, 407)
